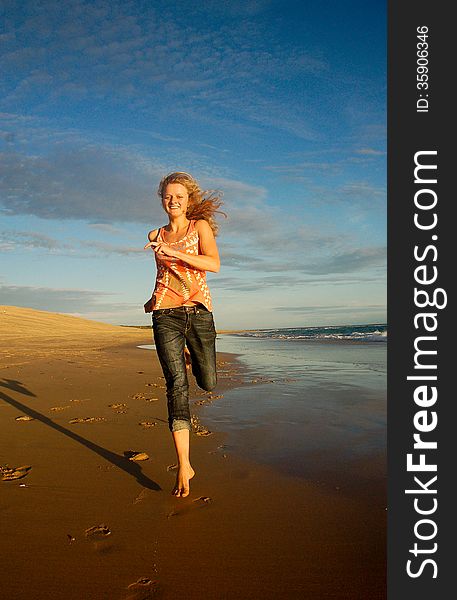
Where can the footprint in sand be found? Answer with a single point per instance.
(172, 467)
(12, 473)
(86, 420)
(24, 418)
(136, 456)
(141, 496)
(198, 428)
(200, 502)
(97, 532)
(208, 400)
(143, 589)
(203, 431)
(106, 467)
(120, 408)
(147, 424)
(59, 408)
(221, 447)
(204, 499)
(151, 399)
(142, 583)
(138, 396)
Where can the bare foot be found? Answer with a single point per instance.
(184, 475)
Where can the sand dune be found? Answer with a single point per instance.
(17, 321)
(27, 333)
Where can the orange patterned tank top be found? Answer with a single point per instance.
(177, 282)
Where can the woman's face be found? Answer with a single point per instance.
(175, 199)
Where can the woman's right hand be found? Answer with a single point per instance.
(161, 248)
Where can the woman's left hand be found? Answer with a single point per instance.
(148, 306)
(161, 248)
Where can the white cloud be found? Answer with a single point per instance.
(18, 241)
(91, 182)
(13, 240)
(370, 152)
(108, 249)
(59, 300)
(331, 308)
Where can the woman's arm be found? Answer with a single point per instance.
(152, 236)
(208, 260)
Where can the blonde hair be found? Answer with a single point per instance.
(203, 204)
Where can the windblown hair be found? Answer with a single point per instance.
(203, 204)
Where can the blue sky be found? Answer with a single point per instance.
(281, 105)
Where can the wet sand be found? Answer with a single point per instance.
(245, 531)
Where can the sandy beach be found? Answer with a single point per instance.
(86, 522)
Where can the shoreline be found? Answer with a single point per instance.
(246, 529)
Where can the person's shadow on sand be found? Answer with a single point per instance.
(117, 460)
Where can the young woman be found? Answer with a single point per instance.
(181, 305)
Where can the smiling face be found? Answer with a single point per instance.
(175, 199)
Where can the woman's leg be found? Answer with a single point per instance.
(185, 470)
(201, 341)
(169, 337)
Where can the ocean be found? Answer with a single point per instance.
(314, 398)
(361, 333)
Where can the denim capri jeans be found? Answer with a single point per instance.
(174, 328)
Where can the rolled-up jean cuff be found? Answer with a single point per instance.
(179, 424)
